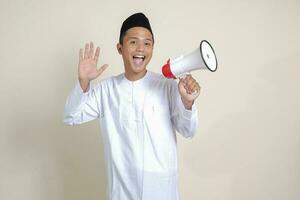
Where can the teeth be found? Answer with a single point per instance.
(139, 57)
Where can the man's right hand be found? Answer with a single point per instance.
(87, 67)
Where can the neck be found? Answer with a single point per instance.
(135, 77)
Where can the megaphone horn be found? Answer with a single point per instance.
(203, 57)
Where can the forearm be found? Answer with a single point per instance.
(73, 103)
(186, 121)
(80, 107)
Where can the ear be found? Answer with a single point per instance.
(119, 48)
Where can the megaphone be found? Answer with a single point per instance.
(203, 57)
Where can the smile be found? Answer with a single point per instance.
(138, 60)
(139, 57)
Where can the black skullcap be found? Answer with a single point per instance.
(135, 20)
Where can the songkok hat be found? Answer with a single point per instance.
(135, 20)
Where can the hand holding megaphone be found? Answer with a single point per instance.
(189, 88)
(202, 58)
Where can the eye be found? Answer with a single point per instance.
(148, 44)
(132, 42)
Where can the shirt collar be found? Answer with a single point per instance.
(143, 80)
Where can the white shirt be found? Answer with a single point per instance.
(138, 120)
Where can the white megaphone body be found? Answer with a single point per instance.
(202, 58)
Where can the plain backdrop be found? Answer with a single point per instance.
(247, 146)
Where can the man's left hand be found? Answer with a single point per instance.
(189, 90)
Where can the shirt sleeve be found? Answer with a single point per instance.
(82, 106)
(184, 121)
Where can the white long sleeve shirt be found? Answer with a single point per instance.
(138, 121)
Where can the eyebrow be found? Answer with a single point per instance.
(133, 37)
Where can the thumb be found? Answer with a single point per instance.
(181, 82)
(101, 69)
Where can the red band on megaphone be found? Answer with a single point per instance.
(166, 70)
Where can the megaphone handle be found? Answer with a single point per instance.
(183, 75)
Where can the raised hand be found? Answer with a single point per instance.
(189, 90)
(87, 67)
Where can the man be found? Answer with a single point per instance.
(139, 112)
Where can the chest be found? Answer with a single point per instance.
(132, 102)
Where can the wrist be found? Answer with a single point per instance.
(84, 84)
(187, 104)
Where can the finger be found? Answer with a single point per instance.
(86, 50)
(186, 87)
(194, 88)
(190, 86)
(91, 52)
(183, 80)
(191, 81)
(188, 77)
(197, 89)
(101, 69)
(80, 54)
(182, 84)
(97, 54)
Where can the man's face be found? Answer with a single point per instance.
(136, 51)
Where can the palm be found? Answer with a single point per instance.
(88, 69)
(87, 66)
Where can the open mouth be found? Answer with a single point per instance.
(138, 59)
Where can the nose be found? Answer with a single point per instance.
(140, 47)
